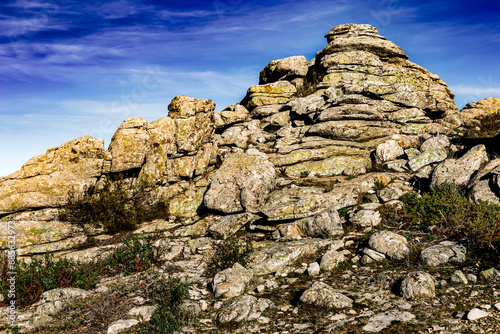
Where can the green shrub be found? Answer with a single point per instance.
(445, 212)
(115, 205)
(135, 255)
(169, 294)
(47, 273)
(227, 253)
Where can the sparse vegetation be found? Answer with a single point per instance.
(115, 205)
(47, 273)
(227, 253)
(447, 213)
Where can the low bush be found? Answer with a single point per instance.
(115, 205)
(47, 273)
(227, 253)
(135, 255)
(445, 212)
(168, 294)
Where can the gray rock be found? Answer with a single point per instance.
(325, 224)
(459, 277)
(427, 158)
(121, 325)
(244, 308)
(144, 313)
(459, 171)
(389, 194)
(438, 142)
(380, 321)
(392, 245)
(231, 282)
(242, 182)
(491, 274)
(366, 219)
(371, 255)
(322, 295)
(418, 284)
(331, 259)
(481, 191)
(390, 150)
(476, 313)
(444, 252)
(313, 269)
(53, 301)
(226, 226)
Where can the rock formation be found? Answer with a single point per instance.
(349, 131)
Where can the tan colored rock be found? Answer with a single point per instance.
(231, 282)
(322, 295)
(390, 150)
(183, 106)
(284, 69)
(272, 93)
(244, 308)
(44, 181)
(226, 226)
(472, 113)
(235, 113)
(129, 145)
(242, 182)
(418, 284)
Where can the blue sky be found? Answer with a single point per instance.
(72, 68)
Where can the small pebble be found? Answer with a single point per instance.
(497, 306)
(476, 313)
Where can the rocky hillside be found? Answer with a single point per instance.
(345, 194)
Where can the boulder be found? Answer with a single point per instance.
(322, 295)
(53, 301)
(381, 321)
(243, 182)
(418, 284)
(435, 143)
(331, 259)
(366, 219)
(44, 181)
(284, 69)
(121, 325)
(244, 308)
(393, 245)
(271, 93)
(325, 224)
(390, 150)
(459, 171)
(226, 226)
(129, 145)
(231, 282)
(427, 158)
(444, 252)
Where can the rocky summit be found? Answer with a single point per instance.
(343, 194)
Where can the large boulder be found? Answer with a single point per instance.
(322, 295)
(459, 171)
(418, 284)
(129, 145)
(271, 93)
(284, 69)
(390, 244)
(44, 181)
(243, 182)
(231, 282)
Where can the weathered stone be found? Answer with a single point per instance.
(380, 321)
(44, 181)
(235, 113)
(366, 219)
(473, 112)
(329, 167)
(270, 257)
(144, 313)
(427, 158)
(121, 325)
(418, 284)
(390, 150)
(231, 282)
(226, 226)
(271, 93)
(324, 224)
(371, 255)
(435, 143)
(331, 259)
(186, 205)
(491, 274)
(242, 182)
(183, 106)
(284, 69)
(391, 244)
(458, 277)
(244, 308)
(129, 145)
(444, 252)
(53, 301)
(459, 171)
(313, 269)
(322, 295)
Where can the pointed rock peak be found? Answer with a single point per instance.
(352, 30)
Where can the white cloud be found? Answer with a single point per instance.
(475, 90)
